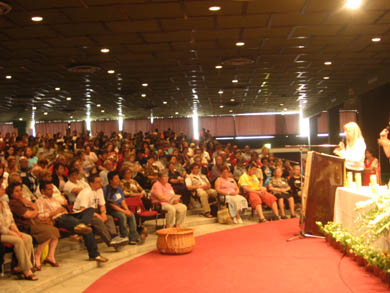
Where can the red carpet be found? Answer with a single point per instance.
(253, 258)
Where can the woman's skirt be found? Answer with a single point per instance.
(236, 203)
(44, 232)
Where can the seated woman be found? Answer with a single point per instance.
(226, 185)
(177, 181)
(280, 188)
(25, 213)
(163, 192)
(131, 187)
(21, 242)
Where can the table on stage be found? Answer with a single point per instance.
(346, 214)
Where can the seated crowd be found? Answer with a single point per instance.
(77, 185)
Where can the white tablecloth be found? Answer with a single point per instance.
(345, 209)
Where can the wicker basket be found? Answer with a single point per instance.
(175, 240)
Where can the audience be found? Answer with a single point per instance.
(56, 182)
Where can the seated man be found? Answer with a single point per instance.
(49, 209)
(93, 197)
(117, 207)
(73, 186)
(163, 192)
(199, 183)
(257, 193)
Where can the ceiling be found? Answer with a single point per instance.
(174, 46)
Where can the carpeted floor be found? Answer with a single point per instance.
(254, 258)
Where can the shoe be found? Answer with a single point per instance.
(240, 221)
(31, 277)
(132, 242)
(36, 269)
(275, 218)
(82, 229)
(262, 220)
(52, 263)
(140, 241)
(235, 221)
(284, 217)
(119, 240)
(100, 258)
(293, 216)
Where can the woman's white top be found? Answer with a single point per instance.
(354, 156)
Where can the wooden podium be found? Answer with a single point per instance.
(323, 174)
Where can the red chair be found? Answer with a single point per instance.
(137, 207)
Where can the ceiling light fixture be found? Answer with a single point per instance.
(20, 119)
(353, 4)
(143, 95)
(34, 108)
(45, 113)
(68, 98)
(221, 106)
(176, 113)
(37, 18)
(57, 88)
(71, 117)
(105, 50)
(218, 66)
(240, 44)
(326, 77)
(145, 84)
(215, 8)
(281, 104)
(376, 39)
(230, 111)
(220, 92)
(328, 62)
(165, 102)
(235, 81)
(8, 76)
(102, 111)
(98, 105)
(301, 47)
(232, 100)
(111, 71)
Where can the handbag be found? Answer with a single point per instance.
(224, 216)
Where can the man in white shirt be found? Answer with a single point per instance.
(73, 186)
(103, 224)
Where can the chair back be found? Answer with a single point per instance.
(135, 204)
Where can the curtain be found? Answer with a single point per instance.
(135, 125)
(107, 127)
(7, 128)
(76, 126)
(256, 125)
(218, 126)
(287, 124)
(345, 117)
(177, 125)
(51, 128)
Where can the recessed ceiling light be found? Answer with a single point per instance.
(57, 88)
(145, 84)
(232, 100)
(301, 47)
(143, 95)
(105, 50)
(71, 117)
(8, 76)
(353, 4)
(375, 40)
(215, 8)
(45, 113)
(111, 71)
(285, 109)
(220, 92)
(20, 119)
(218, 66)
(165, 102)
(221, 106)
(176, 113)
(34, 108)
(234, 80)
(230, 111)
(98, 105)
(240, 44)
(281, 104)
(326, 77)
(102, 111)
(68, 98)
(328, 62)
(37, 18)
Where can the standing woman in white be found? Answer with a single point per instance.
(354, 151)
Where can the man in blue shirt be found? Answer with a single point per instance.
(117, 207)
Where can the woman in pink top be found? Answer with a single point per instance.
(163, 193)
(226, 185)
